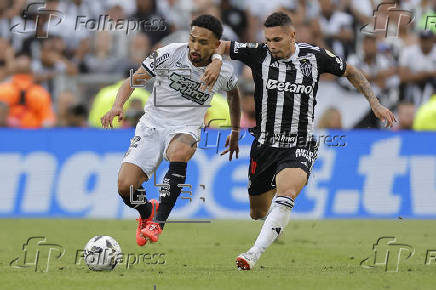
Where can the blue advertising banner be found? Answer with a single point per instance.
(72, 173)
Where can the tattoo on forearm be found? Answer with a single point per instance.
(361, 83)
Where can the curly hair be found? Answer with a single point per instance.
(209, 22)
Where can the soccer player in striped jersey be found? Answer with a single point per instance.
(286, 76)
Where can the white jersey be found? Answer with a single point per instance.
(177, 100)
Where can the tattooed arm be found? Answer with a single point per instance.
(359, 81)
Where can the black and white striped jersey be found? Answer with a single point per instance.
(285, 89)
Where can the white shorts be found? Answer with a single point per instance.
(149, 146)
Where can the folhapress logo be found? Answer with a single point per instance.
(288, 87)
(35, 15)
(387, 19)
(37, 254)
(388, 254)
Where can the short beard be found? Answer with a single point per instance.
(197, 60)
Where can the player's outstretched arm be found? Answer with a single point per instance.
(355, 76)
(235, 117)
(123, 95)
(224, 48)
(214, 68)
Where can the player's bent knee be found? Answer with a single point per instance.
(124, 187)
(257, 213)
(291, 194)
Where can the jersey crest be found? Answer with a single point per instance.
(306, 68)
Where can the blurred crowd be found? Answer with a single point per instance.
(392, 42)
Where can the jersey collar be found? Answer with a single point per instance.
(293, 56)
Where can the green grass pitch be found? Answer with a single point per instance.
(311, 254)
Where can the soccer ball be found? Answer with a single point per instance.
(101, 253)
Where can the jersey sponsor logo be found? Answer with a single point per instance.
(157, 61)
(238, 45)
(309, 155)
(133, 144)
(290, 67)
(134, 141)
(181, 66)
(305, 45)
(188, 88)
(338, 59)
(281, 138)
(288, 87)
(244, 45)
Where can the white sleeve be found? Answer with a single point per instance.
(159, 58)
(228, 79)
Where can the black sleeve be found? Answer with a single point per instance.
(248, 53)
(330, 63)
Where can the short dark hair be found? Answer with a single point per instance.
(209, 22)
(78, 110)
(278, 19)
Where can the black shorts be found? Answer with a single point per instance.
(267, 161)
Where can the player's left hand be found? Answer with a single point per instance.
(210, 75)
(232, 142)
(106, 120)
(384, 114)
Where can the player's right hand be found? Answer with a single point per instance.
(210, 75)
(106, 120)
(384, 114)
(232, 142)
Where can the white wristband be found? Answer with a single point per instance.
(217, 56)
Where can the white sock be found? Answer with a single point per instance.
(275, 222)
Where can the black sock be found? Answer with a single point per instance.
(145, 208)
(170, 192)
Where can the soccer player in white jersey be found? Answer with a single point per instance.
(286, 76)
(170, 127)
